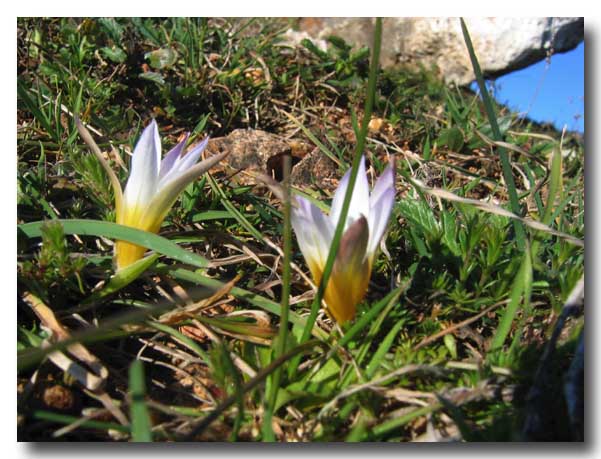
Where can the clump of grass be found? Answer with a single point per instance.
(446, 343)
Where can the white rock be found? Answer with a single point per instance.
(502, 44)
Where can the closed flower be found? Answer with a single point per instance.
(364, 228)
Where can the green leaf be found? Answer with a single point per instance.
(120, 232)
(145, 27)
(427, 150)
(339, 43)
(451, 344)
(325, 373)
(452, 138)
(140, 417)
(522, 285)
(112, 28)
(359, 430)
(114, 54)
(449, 232)
(161, 58)
(314, 49)
(421, 217)
(201, 125)
(383, 349)
(124, 277)
(212, 215)
(31, 105)
(154, 77)
(362, 53)
(29, 338)
(555, 185)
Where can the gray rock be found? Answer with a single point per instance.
(502, 44)
(255, 151)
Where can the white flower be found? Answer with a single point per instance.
(364, 228)
(154, 186)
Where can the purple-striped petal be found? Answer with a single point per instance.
(183, 163)
(191, 157)
(171, 158)
(162, 201)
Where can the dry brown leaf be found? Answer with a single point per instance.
(93, 380)
(173, 317)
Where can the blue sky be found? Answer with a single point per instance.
(551, 92)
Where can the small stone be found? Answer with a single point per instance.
(261, 152)
(375, 125)
(316, 169)
(251, 151)
(58, 397)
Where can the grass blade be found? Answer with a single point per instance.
(140, 417)
(313, 138)
(555, 184)
(382, 350)
(364, 321)
(370, 315)
(280, 342)
(394, 423)
(231, 208)
(120, 232)
(67, 419)
(178, 336)
(521, 286)
(520, 233)
(33, 107)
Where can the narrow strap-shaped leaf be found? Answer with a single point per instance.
(124, 233)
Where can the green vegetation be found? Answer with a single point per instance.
(187, 344)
